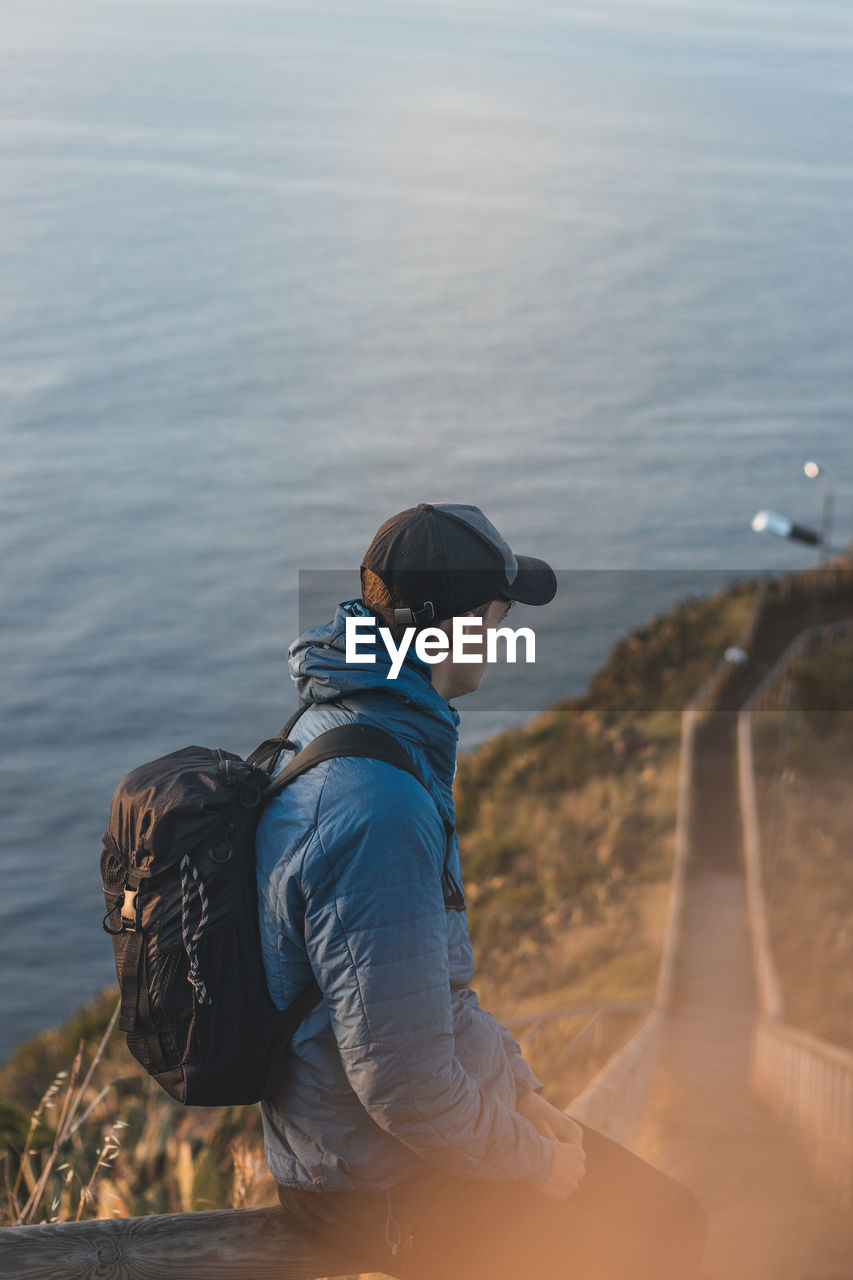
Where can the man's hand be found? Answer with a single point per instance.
(567, 1170)
(565, 1136)
(548, 1121)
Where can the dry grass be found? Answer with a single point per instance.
(110, 1142)
(806, 809)
(577, 913)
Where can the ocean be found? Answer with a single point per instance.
(273, 272)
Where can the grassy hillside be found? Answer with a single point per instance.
(567, 832)
(566, 827)
(804, 766)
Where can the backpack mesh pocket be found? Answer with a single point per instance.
(170, 1010)
(223, 1021)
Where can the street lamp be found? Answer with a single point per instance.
(782, 527)
(815, 472)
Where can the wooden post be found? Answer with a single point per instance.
(229, 1244)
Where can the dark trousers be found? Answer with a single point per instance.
(626, 1221)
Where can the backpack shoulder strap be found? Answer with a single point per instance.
(271, 748)
(365, 740)
(369, 742)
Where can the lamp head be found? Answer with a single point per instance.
(771, 522)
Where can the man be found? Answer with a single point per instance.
(407, 1129)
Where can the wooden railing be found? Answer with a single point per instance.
(770, 999)
(229, 1244)
(808, 1083)
(805, 1080)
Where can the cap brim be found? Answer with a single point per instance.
(535, 582)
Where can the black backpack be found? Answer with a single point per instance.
(178, 867)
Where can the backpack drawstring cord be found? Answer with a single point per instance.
(191, 944)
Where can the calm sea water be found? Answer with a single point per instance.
(271, 274)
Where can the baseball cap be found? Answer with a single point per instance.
(441, 559)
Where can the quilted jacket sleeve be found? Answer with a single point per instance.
(376, 932)
(526, 1080)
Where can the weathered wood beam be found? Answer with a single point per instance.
(229, 1244)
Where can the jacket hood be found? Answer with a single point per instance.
(408, 704)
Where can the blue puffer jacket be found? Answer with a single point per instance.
(398, 1064)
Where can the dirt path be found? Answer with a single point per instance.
(768, 1222)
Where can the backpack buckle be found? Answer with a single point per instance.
(131, 911)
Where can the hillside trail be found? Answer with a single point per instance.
(768, 1221)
